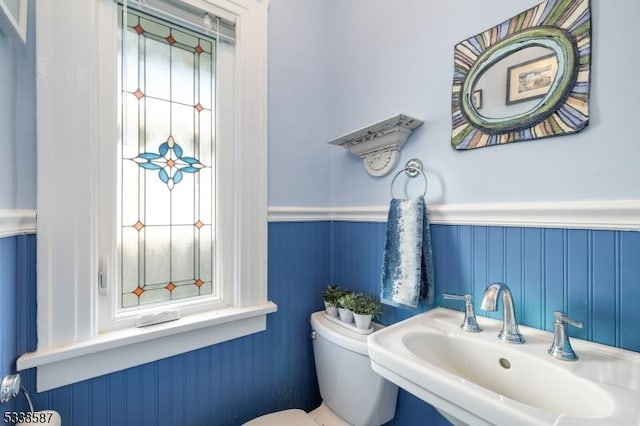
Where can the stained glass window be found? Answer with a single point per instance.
(166, 175)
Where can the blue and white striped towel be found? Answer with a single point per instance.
(407, 265)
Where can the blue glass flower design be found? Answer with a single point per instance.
(170, 162)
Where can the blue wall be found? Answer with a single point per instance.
(594, 275)
(18, 119)
(396, 56)
(8, 315)
(225, 384)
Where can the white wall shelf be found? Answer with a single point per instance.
(379, 144)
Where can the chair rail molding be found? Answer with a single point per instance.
(17, 222)
(597, 214)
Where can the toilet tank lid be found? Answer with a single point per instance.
(339, 335)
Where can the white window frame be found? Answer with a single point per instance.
(111, 316)
(76, 111)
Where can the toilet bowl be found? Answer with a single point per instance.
(283, 418)
(352, 393)
(322, 416)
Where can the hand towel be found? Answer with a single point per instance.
(407, 265)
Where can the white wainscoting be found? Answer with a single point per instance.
(610, 214)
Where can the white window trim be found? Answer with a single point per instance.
(111, 316)
(72, 109)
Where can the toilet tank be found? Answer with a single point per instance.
(348, 385)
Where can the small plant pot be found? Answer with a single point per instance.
(345, 315)
(331, 309)
(363, 321)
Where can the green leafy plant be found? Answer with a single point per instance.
(347, 301)
(366, 305)
(332, 293)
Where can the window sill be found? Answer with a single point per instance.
(118, 350)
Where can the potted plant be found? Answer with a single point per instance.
(345, 307)
(330, 296)
(365, 308)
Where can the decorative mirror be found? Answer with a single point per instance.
(526, 78)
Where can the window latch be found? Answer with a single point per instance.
(103, 281)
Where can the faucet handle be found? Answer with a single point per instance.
(562, 318)
(561, 346)
(469, 323)
(466, 297)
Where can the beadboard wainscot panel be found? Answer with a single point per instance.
(224, 384)
(627, 287)
(592, 274)
(8, 314)
(547, 253)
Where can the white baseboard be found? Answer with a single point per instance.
(17, 222)
(613, 214)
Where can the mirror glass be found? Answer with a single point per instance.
(494, 97)
(526, 78)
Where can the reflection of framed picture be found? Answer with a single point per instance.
(531, 79)
(477, 98)
(13, 18)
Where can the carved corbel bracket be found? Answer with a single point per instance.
(379, 144)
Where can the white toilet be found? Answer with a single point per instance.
(352, 393)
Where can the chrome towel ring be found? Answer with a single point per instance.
(413, 168)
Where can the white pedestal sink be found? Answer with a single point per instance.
(476, 379)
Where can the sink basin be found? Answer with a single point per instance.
(476, 379)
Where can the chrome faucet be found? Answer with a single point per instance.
(510, 332)
(561, 347)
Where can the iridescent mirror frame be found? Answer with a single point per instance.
(564, 27)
